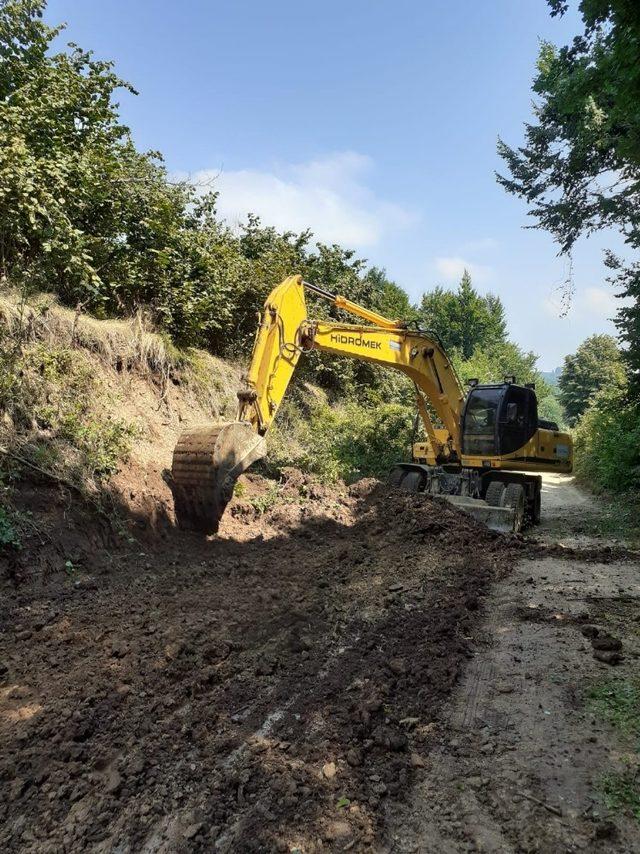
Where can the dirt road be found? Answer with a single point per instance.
(570, 515)
(337, 671)
(524, 753)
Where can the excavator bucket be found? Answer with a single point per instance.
(207, 461)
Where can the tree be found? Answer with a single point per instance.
(497, 325)
(388, 298)
(596, 364)
(491, 362)
(607, 444)
(464, 320)
(579, 169)
(550, 409)
(82, 212)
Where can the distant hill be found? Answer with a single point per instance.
(553, 376)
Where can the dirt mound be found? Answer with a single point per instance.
(270, 690)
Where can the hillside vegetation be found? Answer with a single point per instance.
(594, 392)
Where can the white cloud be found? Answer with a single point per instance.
(329, 195)
(451, 268)
(600, 302)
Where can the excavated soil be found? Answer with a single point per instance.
(274, 688)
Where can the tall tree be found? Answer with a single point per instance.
(497, 325)
(464, 319)
(579, 169)
(387, 297)
(596, 365)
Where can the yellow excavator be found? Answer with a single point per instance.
(481, 449)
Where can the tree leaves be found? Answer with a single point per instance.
(464, 320)
(596, 365)
(579, 167)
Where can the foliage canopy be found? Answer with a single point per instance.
(579, 167)
(464, 320)
(596, 364)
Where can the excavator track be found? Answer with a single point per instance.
(207, 461)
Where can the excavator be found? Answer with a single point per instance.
(481, 449)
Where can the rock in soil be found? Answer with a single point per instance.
(606, 642)
(590, 631)
(607, 656)
(329, 770)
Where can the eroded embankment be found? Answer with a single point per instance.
(272, 688)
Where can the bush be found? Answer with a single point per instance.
(53, 401)
(345, 442)
(10, 536)
(607, 443)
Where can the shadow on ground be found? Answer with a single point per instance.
(272, 688)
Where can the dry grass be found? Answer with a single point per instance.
(120, 343)
(124, 345)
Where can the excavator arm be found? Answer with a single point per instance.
(207, 461)
(286, 331)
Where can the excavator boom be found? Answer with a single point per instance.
(285, 332)
(208, 460)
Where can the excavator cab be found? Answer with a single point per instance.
(498, 419)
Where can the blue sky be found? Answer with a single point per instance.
(374, 123)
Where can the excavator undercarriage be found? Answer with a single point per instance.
(503, 501)
(481, 451)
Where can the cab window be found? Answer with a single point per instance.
(519, 419)
(480, 422)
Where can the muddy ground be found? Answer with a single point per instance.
(338, 670)
(267, 690)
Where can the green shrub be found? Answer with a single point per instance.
(263, 503)
(10, 536)
(55, 405)
(348, 441)
(607, 444)
(103, 444)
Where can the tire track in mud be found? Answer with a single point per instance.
(521, 753)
